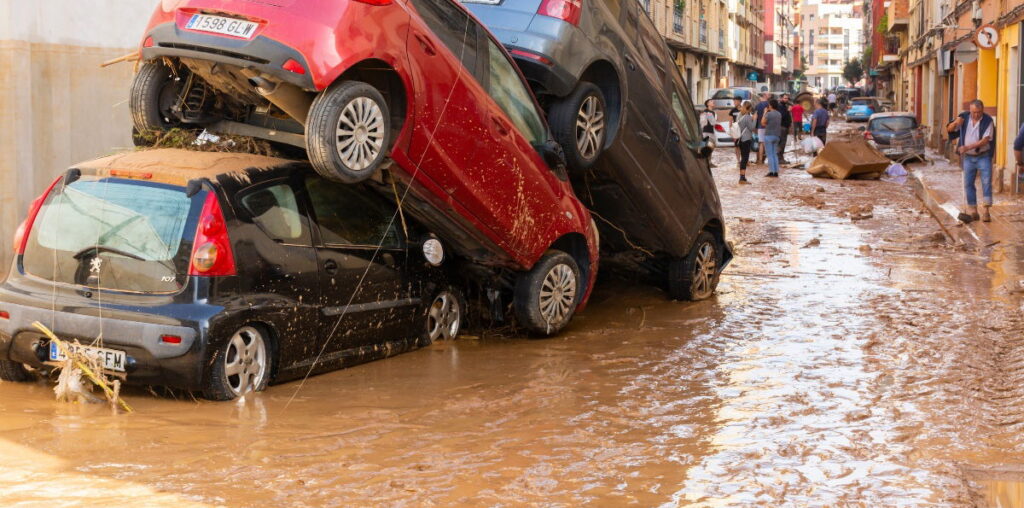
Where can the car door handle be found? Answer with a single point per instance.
(331, 266)
(500, 125)
(387, 259)
(643, 135)
(428, 47)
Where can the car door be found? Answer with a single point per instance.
(524, 196)
(284, 287)
(640, 133)
(364, 296)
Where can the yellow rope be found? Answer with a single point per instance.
(85, 368)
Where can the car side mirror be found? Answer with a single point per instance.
(553, 156)
(862, 128)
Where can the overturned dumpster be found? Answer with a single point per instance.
(849, 158)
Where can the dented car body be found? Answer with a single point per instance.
(217, 273)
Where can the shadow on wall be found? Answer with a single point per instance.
(57, 107)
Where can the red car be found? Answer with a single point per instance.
(413, 91)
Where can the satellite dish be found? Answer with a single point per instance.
(966, 52)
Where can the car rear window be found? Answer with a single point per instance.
(115, 234)
(724, 94)
(894, 123)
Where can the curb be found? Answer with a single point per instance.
(944, 210)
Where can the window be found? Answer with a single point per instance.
(683, 108)
(276, 211)
(452, 26)
(347, 215)
(509, 91)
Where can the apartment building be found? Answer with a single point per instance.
(832, 34)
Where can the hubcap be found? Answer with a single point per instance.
(558, 294)
(589, 127)
(360, 133)
(245, 362)
(704, 271)
(444, 318)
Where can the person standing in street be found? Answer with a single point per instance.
(759, 111)
(976, 146)
(1018, 154)
(772, 123)
(832, 101)
(734, 114)
(787, 123)
(746, 123)
(797, 113)
(819, 121)
(708, 119)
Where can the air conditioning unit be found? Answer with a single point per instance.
(945, 61)
(975, 11)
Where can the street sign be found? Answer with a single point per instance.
(966, 52)
(987, 37)
(753, 76)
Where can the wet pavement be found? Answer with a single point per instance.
(852, 357)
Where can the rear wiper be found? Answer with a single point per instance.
(103, 248)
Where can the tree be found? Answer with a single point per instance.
(853, 71)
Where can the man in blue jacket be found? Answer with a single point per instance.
(976, 146)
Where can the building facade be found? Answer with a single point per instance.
(832, 34)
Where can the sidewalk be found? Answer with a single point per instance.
(940, 188)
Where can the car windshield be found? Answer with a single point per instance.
(894, 123)
(730, 93)
(113, 234)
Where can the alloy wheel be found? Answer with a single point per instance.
(444, 318)
(589, 127)
(704, 271)
(558, 293)
(245, 361)
(360, 133)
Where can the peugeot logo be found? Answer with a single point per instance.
(95, 264)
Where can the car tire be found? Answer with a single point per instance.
(546, 296)
(582, 144)
(695, 277)
(242, 364)
(444, 317)
(13, 371)
(348, 133)
(154, 90)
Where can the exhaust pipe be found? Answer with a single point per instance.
(290, 98)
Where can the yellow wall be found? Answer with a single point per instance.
(1006, 120)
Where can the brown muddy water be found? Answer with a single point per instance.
(876, 366)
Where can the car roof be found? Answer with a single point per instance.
(177, 166)
(890, 114)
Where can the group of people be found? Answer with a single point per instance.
(768, 124)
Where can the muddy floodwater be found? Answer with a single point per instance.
(852, 357)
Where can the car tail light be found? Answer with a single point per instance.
(148, 43)
(293, 66)
(531, 56)
(170, 339)
(22, 233)
(719, 128)
(868, 136)
(565, 10)
(375, 2)
(4, 314)
(211, 252)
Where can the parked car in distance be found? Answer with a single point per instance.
(473, 145)
(722, 137)
(861, 108)
(652, 188)
(897, 135)
(219, 273)
(724, 97)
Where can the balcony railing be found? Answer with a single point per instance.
(721, 40)
(891, 46)
(703, 32)
(677, 19)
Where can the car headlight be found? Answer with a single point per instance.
(433, 251)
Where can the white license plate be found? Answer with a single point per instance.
(110, 359)
(221, 25)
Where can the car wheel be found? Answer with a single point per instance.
(13, 371)
(154, 92)
(241, 365)
(444, 317)
(579, 123)
(348, 132)
(695, 277)
(547, 295)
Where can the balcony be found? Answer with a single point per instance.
(891, 49)
(704, 33)
(677, 19)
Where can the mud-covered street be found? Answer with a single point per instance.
(852, 357)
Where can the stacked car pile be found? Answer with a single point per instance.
(227, 271)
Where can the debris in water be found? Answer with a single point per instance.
(113, 394)
(813, 243)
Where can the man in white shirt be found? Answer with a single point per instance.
(977, 144)
(832, 102)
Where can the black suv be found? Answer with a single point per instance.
(651, 190)
(218, 273)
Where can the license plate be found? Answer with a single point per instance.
(221, 25)
(110, 359)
